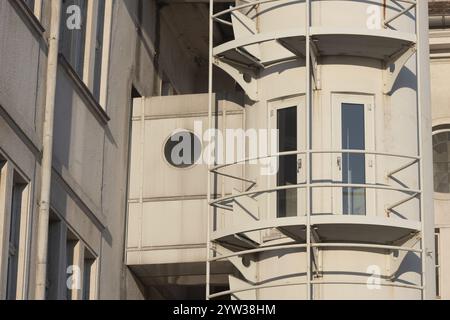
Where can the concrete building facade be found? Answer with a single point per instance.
(125, 220)
(440, 64)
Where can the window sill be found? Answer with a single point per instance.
(86, 94)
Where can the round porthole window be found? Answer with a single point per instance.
(183, 149)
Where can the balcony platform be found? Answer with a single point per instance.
(329, 228)
(329, 41)
(377, 44)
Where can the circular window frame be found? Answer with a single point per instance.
(168, 138)
(440, 195)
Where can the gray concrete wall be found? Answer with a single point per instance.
(90, 152)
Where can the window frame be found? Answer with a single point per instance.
(439, 195)
(337, 102)
(92, 290)
(88, 54)
(273, 107)
(438, 269)
(35, 7)
(10, 175)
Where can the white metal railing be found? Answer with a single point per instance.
(219, 202)
(253, 4)
(309, 185)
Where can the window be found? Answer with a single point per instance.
(353, 165)
(441, 161)
(182, 149)
(287, 172)
(72, 270)
(98, 63)
(288, 117)
(14, 248)
(89, 276)
(54, 274)
(437, 262)
(34, 6)
(353, 132)
(30, 4)
(73, 36)
(84, 42)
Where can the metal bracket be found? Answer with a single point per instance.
(396, 261)
(390, 208)
(409, 164)
(394, 66)
(404, 11)
(316, 253)
(249, 84)
(248, 272)
(315, 67)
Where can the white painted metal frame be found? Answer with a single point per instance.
(312, 77)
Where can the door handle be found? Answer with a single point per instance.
(299, 165)
(339, 163)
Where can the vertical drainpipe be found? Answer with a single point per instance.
(47, 151)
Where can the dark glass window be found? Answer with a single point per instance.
(30, 4)
(14, 241)
(287, 169)
(73, 39)
(353, 165)
(99, 65)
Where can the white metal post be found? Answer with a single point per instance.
(308, 148)
(209, 175)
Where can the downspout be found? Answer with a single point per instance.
(47, 151)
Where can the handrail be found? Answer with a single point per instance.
(263, 286)
(258, 2)
(315, 245)
(296, 283)
(314, 186)
(288, 153)
(246, 5)
(215, 170)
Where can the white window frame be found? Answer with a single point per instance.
(36, 9)
(93, 281)
(368, 101)
(273, 107)
(90, 48)
(6, 193)
(79, 249)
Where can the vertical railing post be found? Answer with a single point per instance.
(308, 148)
(210, 106)
(425, 149)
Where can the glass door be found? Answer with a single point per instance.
(288, 117)
(352, 130)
